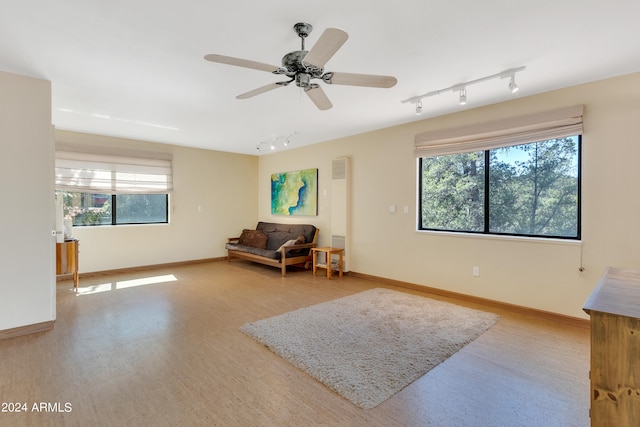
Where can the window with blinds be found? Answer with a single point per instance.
(113, 186)
(519, 177)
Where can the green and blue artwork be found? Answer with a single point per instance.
(295, 193)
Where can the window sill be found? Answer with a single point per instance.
(523, 239)
(110, 226)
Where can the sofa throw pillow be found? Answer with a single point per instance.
(253, 238)
(298, 241)
(287, 243)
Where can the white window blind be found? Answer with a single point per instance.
(112, 171)
(514, 131)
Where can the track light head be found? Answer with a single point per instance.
(513, 87)
(463, 96)
(418, 108)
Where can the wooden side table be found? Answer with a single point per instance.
(67, 259)
(328, 253)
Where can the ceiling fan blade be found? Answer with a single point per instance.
(258, 91)
(367, 80)
(327, 45)
(319, 98)
(240, 62)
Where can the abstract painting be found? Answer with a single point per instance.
(295, 193)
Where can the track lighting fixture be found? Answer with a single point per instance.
(463, 97)
(418, 108)
(462, 88)
(273, 142)
(513, 87)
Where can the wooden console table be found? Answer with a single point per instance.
(328, 253)
(67, 259)
(614, 308)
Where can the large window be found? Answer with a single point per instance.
(107, 209)
(102, 185)
(530, 189)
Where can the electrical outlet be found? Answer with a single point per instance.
(476, 271)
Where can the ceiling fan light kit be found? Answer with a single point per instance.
(302, 66)
(461, 88)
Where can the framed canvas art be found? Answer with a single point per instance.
(295, 193)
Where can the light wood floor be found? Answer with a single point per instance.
(124, 353)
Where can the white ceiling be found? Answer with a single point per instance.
(135, 68)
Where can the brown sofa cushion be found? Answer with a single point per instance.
(253, 238)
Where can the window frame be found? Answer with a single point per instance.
(487, 207)
(114, 210)
(113, 202)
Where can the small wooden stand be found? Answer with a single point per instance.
(329, 252)
(67, 259)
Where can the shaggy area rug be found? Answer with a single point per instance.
(368, 346)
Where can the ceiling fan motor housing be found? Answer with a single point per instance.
(298, 69)
(292, 61)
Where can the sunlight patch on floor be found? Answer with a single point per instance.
(105, 287)
(146, 281)
(94, 289)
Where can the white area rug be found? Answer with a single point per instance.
(368, 346)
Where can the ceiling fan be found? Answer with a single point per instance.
(303, 66)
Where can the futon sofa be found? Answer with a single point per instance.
(274, 244)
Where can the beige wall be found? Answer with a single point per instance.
(27, 248)
(224, 185)
(234, 192)
(539, 274)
